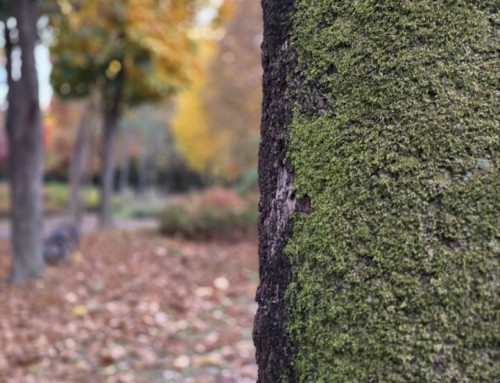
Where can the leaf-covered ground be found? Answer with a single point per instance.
(133, 307)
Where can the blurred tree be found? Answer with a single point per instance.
(125, 141)
(144, 141)
(196, 141)
(79, 159)
(233, 92)
(24, 132)
(60, 123)
(68, 133)
(132, 51)
(223, 106)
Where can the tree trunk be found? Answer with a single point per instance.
(124, 180)
(78, 162)
(24, 132)
(112, 114)
(270, 333)
(378, 171)
(142, 176)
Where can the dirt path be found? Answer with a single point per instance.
(89, 224)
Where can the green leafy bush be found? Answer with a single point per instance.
(216, 213)
(176, 218)
(55, 195)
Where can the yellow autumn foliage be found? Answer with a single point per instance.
(217, 124)
(194, 138)
(149, 39)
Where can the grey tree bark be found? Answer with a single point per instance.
(124, 179)
(142, 175)
(273, 344)
(24, 132)
(78, 163)
(113, 95)
(123, 182)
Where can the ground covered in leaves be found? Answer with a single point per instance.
(133, 307)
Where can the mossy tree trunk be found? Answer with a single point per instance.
(24, 131)
(380, 192)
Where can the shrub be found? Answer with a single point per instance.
(216, 213)
(55, 195)
(139, 209)
(176, 218)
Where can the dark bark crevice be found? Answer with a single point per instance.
(271, 338)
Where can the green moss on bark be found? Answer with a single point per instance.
(395, 140)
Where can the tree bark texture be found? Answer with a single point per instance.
(274, 350)
(380, 191)
(24, 132)
(112, 113)
(78, 163)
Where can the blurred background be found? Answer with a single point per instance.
(164, 96)
(190, 114)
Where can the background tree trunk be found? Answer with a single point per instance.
(124, 180)
(78, 162)
(142, 176)
(112, 114)
(24, 132)
(378, 171)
